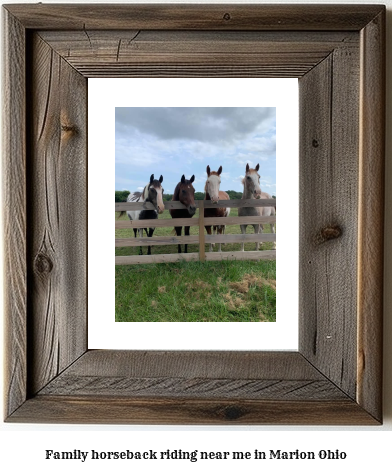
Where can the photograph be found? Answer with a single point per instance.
(195, 191)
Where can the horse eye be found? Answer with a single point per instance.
(248, 177)
(183, 191)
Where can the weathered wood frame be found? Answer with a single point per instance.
(337, 52)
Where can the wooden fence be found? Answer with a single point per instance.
(200, 239)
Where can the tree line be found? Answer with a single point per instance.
(121, 196)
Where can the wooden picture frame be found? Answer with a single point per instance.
(337, 52)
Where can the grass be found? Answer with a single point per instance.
(193, 291)
(223, 291)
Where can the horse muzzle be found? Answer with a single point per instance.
(192, 210)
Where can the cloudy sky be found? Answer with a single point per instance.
(184, 140)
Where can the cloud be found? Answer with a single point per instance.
(203, 124)
(177, 141)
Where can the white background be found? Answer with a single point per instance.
(368, 449)
(103, 332)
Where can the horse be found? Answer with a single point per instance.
(152, 193)
(185, 193)
(212, 193)
(252, 190)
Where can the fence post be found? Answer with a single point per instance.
(202, 253)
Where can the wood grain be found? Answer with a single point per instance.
(117, 410)
(208, 374)
(120, 53)
(193, 17)
(207, 387)
(14, 212)
(206, 364)
(57, 215)
(191, 387)
(328, 197)
(371, 216)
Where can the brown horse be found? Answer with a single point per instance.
(252, 190)
(212, 193)
(185, 193)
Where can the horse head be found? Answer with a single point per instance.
(155, 193)
(251, 181)
(212, 184)
(186, 194)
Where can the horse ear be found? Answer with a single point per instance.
(220, 170)
(161, 179)
(208, 170)
(151, 178)
(257, 167)
(247, 167)
(183, 178)
(192, 179)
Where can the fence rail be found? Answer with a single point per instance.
(129, 206)
(201, 238)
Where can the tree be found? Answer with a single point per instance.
(121, 196)
(234, 194)
(199, 196)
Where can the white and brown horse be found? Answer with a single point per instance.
(213, 193)
(153, 193)
(252, 190)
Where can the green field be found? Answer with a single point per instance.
(223, 291)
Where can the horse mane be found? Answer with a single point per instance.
(145, 192)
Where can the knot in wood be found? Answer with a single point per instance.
(227, 16)
(232, 413)
(68, 128)
(328, 233)
(315, 143)
(43, 264)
